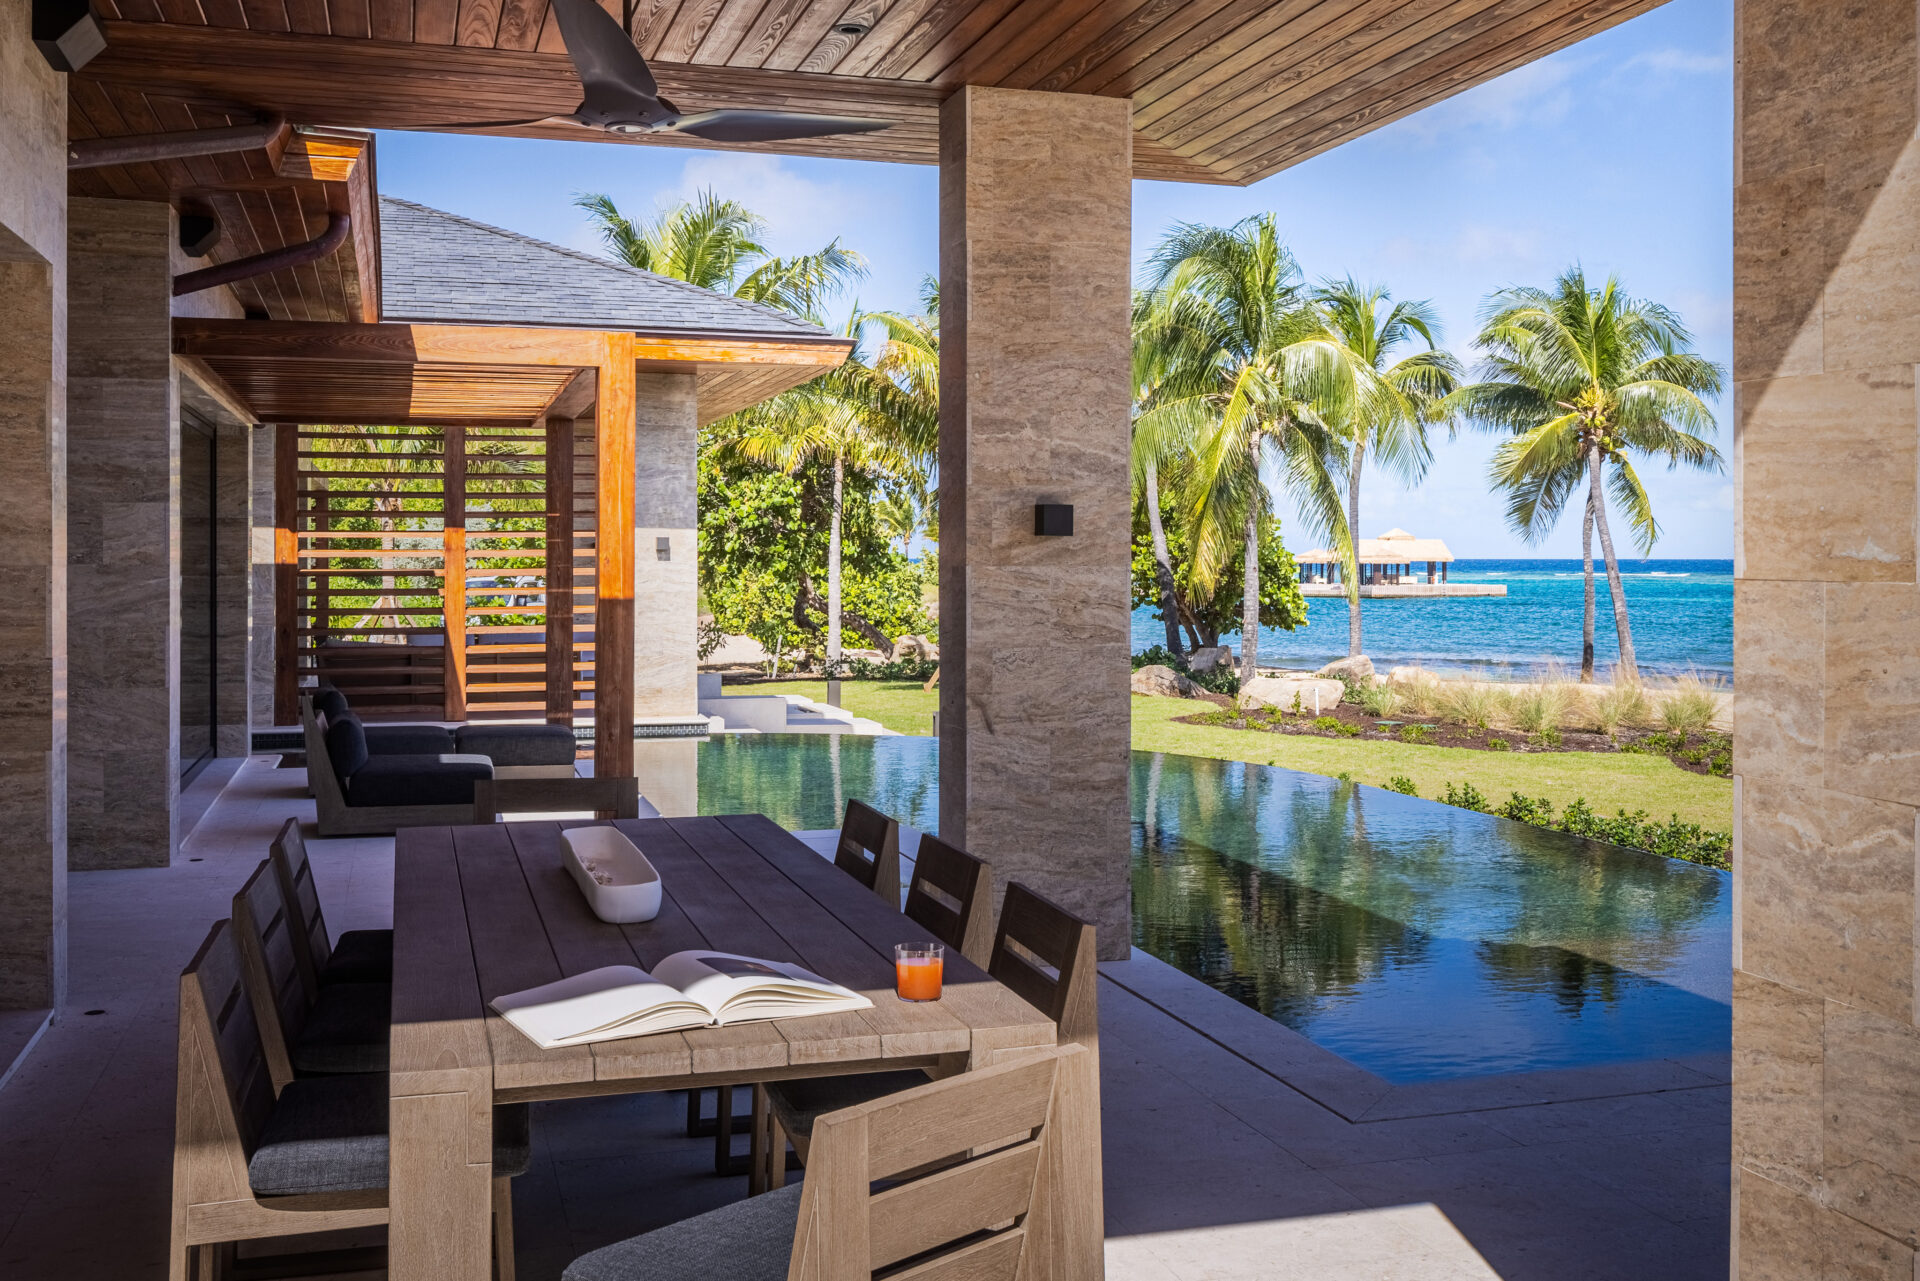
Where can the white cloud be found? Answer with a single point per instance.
(1677, 62)
(1537, 93)
(1505, 249)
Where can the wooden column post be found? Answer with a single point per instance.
(453, 571)
(286, 650)
(613, 603)
(559, 575)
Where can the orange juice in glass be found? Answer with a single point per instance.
(916, 970)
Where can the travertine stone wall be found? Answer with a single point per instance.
(1827, 640)
(33, 515)
(665, 505)
(123, 550)
(1035, 214)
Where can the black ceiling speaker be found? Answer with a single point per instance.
(1053, 520)
(67, 33)
(199, 233)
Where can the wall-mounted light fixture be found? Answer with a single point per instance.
(1053, 520)
(663, 549)
(67, 34)
(199, 233)
(852, 26)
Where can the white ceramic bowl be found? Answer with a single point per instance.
(626, 889)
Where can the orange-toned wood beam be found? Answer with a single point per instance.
(613, 602)
(453, 570)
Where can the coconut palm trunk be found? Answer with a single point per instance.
(1628, 669)
(1162, 560)
(1353, 536)
(1586, 569)
(1250, 600)
(833, 565)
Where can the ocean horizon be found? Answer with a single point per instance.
(1681, 612)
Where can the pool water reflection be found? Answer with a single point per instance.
(1419, 941)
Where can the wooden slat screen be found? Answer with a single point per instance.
(408, 537)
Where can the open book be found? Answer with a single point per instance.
(687, 989)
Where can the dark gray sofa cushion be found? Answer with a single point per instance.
(346, 1031)
(346, 745)
(750, 1240)
(408, 740)
(360, 956)
(329, 702)
(330, 1135)
(417, 780)
(798, 1103)
(518, 744)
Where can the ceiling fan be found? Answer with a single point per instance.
(622, 96)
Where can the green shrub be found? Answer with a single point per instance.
(1540, 706)
(1334, 725)
(1690, 705)
(1527, 809)
(1468, 797)
(1496, 745)
(1549, 737)
(1416, 733)
(1672, 839)
(1402, 784)
(1377, 700)
(1220, 680)
(904, 669)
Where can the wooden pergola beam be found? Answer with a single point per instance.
(613, 584)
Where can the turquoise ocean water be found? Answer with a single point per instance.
(1681, 612)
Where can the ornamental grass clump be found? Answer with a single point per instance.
(1419, 693)
(1540, 706)
(1624, 704)
(1472, 704)
(1690, 705)
(1377, 700)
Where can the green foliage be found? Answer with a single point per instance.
(1690, 706)
(1671, 839)
(1334, 725)
(763, 557)
(1416, 733)
(1207, 617)
(1375, 700)
(1549, 737)
(1624, 704)
(899, 669)
(1471, 704)
(1402, 784)
(1497, 745)
(1218, 680)
(1714, 751)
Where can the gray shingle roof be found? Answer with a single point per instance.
(439, 267)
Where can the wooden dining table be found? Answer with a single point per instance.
(486, 910)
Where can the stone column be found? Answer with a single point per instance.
(1035, 210)
(123, 747)
(665, 515)
(33, 531)
(260, 572)
(1826, 1051)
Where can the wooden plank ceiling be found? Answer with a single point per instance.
(1225, 91)
(263, 200)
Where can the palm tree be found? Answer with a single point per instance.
(716, 244)
(1581, 378)
(898, 515)
(1394, 403)
(1150, 449)
(1245, 375)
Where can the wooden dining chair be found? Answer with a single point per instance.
(869, 851)
(251, 1163)
(606, 797)
(989, 1176)
(1043, 952)
(358, 956)
(951, 893)
(341, 1029)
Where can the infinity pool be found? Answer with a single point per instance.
(1416, 940)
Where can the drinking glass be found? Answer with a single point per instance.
(916, 970)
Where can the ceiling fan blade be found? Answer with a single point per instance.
(769, 126)
(603, 53)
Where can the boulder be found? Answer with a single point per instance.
(915, 647)
(1164, 681)
(1209, 657)
(1279, 691)
(1359, 668)
(1407, 675)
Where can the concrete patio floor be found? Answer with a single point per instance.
(1233, 1148)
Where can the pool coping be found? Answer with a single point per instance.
(1359, 1096)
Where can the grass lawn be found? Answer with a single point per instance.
(1608, 782)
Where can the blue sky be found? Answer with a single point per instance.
(1616, 153)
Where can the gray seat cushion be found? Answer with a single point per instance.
(329, 702)
(409, 740)
(750, 1240)
(796, 1104)
(330, 1135)
(346, 745)
(360, 956)
(417, 780)
(346, 1031)
(518, 744)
